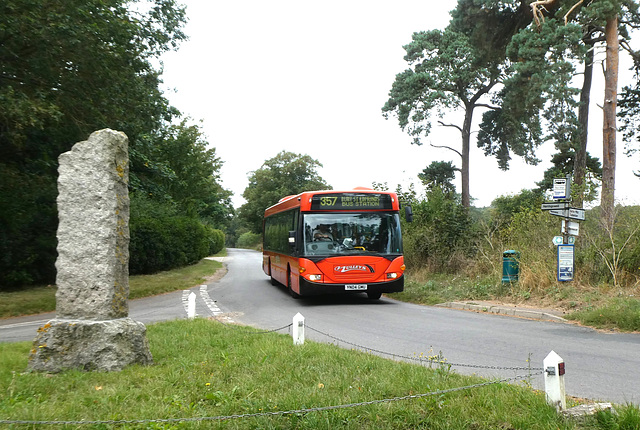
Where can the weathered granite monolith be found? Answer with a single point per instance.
(92, 330)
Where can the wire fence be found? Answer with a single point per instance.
(531, 372)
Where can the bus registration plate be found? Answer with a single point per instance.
(355, 287)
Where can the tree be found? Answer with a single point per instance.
(192, 179)
(572, 28)
(439, 174)
(564, 164)
(457, 68)
(283, 175)
(67, 69)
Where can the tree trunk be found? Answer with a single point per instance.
(580, 161)
(466, 137)
(609, 123)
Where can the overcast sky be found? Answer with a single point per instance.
(312, 77)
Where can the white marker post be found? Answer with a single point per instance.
(297, 331)
(191, 306)
(554, 381)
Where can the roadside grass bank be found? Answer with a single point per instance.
(600, 306)
(204, 368)
(34, 300)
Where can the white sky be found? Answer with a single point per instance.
(312, 77)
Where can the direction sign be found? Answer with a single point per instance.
(552, 206)
(558, 240)
(571, 227)
(571, 213)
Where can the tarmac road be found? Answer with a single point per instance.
(599, 365)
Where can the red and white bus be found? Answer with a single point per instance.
(329, 242)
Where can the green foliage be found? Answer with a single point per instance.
(441, 235)
(283, 175)
(183, 169)
(216, 240)
(536, 88)
(161, 239)
(563, 165)
(67, 69)
(505, 208)
(445, 72)
(28, 223)
(249, 240)
(439, 174)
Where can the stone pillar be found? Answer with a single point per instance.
(92, 330)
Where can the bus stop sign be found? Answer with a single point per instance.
(565, 262)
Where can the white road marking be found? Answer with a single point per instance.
(211, 304)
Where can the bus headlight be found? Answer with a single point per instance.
(392, 275)
(315, 278)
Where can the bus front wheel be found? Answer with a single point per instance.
(290, 288)
(374, 296)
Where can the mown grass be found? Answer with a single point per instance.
(40, 299)
(206, 369)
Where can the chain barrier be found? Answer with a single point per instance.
(237, 327)
(269, 414)
(428, 359)
(421, 360)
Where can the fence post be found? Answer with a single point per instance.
(554, 380)
(191, 306)
(298, 329)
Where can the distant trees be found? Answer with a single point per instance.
(283, 175)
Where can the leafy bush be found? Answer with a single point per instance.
(441, 235)
(162, 240)
(248, 240)
(216, 240)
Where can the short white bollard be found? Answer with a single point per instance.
(191, 306)
(554, 381)
(297, 331)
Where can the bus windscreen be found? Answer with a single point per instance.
(352, 234)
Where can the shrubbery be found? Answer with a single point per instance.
(161, 240)
(248, 240)
(445, 238)
(441, 236)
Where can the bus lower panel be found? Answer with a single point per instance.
(315, 289)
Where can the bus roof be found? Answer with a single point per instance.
(355, 200)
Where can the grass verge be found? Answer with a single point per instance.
(206, 369)
(594, 306)
(43, 299)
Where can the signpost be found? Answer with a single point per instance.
(570, 229)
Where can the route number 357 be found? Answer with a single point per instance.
(328, 201)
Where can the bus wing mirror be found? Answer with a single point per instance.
(408, 213)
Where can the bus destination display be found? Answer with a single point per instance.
(351, 202)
